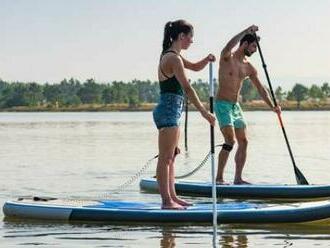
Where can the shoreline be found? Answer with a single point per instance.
(249, 106)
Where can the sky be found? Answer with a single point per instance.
(49, 40)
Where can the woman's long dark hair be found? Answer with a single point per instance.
(172, 31)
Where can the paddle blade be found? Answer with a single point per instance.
(301, 180)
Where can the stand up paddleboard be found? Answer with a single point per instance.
(124, 211)
(302, 192)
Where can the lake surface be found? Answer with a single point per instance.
(89, 154)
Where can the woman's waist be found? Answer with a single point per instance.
(171, 99)
(171, 95)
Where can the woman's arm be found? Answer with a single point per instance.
(198, 65)
(178, 69)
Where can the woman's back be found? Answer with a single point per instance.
(167, 81)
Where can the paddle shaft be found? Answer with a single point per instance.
(186, 124)
(299, 176)
(214, 192)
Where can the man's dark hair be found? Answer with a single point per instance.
(249, 38)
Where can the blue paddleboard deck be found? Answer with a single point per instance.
(123, 211)
(263, 191)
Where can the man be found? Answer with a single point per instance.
(233, 69)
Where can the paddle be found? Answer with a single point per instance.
(299, 175)
(186, 124)
(214, 191)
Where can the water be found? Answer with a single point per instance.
(89, 154)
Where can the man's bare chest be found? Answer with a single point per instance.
(235, 70)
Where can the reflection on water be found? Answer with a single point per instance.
(164, 236)
(237, 241)
(167, 240)
(88, 154)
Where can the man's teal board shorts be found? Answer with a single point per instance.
(229, 114)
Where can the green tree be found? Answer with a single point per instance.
(3, 85)
(279, 93)
(52, 93)
(248, 91)
(299, 93)
(133, 94)
(202, 90)
(315, 92)
(154, 93)
(4, 92)
(107, 95)
(119, 92)
(90, 92)
(147, 91)
(33, 95)
(325, 90)
(69, 90)
(15, 95)
(7, 97)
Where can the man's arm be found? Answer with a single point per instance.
(261, 89)
(226, 51)
(198, 65)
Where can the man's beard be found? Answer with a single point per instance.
(247, 53)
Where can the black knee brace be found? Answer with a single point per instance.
(176, 151)
(227, 147)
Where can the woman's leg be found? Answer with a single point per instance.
(167, 141)
(172, 176)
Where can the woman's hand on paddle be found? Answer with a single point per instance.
(210, 58)
(209, 117)
(277, 109)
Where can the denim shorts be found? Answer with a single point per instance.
(168, 111)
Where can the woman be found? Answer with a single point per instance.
(173, 82)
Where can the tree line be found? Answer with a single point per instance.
(72, 92)
(298, 93)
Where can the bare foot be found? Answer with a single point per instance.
(182, 202)
(172, 205)
(221, 182)
(241, 182)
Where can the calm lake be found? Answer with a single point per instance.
(90, 154)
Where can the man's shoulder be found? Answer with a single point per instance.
(251, 69)
(226, 58)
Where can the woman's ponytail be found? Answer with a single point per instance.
(167, 41)
(172, 31)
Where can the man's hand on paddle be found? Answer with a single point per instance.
(277, 109)
(252, 29)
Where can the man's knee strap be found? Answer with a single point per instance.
(227, 147)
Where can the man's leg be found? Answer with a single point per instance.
(240, 156)
(229, 136)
